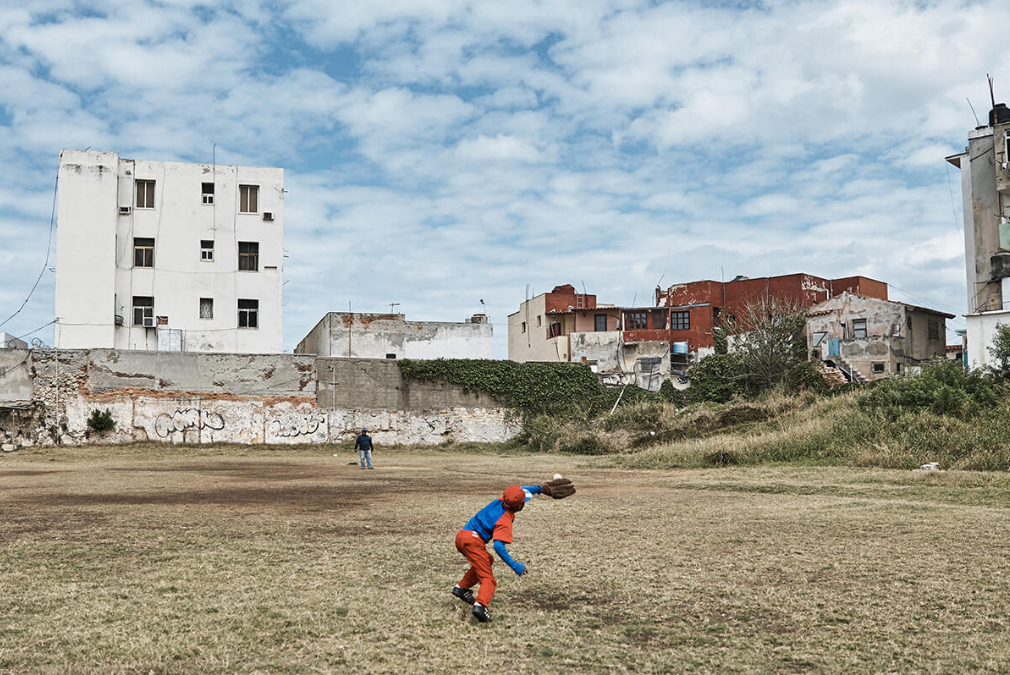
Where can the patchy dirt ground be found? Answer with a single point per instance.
(235, 560)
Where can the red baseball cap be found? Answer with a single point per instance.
(514, 496)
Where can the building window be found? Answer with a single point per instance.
(637, 320)
(524, 327)
(539, 321)
(145, 194)
(248, 196)
(207, 250)
(859, 329)
(143, 252)
(659, 319)
(143, 311)
(206, 308)
(553, 330)
(208, 193)
(877, 366)
(819, 338)
(680, 320)
(390, 356)
(247, 313)
(248, 256)
(933, 327)
(600, 322)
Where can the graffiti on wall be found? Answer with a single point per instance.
(187, 419)
(298, 425)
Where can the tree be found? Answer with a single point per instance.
(769, 340)
(999, 350)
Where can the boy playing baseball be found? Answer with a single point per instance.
(494, 523)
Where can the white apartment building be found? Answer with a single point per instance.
(168, 255)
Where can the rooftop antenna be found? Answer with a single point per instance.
(392, 305)
(992, 96)
(977, 123)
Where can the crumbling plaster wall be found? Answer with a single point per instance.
(603, 347)
(16, 385)
(886, 332)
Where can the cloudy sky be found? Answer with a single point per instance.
(443, 152)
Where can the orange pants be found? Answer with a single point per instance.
(474, 550)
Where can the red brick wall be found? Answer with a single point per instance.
(870, 288)
(560, 302)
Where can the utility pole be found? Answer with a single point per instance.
(56, 321)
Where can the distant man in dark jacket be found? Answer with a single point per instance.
(363, 444)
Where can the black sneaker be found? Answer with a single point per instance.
(480, 613)
(464, 594)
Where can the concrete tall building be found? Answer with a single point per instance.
(985, 195)
(168, 255)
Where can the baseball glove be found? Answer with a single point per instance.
(559, 488)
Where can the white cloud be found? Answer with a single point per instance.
(442, 149)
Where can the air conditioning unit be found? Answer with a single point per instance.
(148, 322)
(124, 210)
(118, 319)
(268, 215)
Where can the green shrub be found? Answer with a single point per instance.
(643, 416)
(943, 388)
(804, 377)
(544, 433)
(101, 420)
(721, 340)
(717, 378)
(670, 394)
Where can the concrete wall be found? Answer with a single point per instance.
(918, 343)
(96, 280)
(981, 200)
(379, 336)
(240, 398)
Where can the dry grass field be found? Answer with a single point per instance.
(160, 559)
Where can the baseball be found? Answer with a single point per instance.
(557, 475)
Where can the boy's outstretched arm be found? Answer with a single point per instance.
(517, 567)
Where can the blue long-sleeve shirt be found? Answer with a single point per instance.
(494, 522)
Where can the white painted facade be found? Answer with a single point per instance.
(981, 328)
(110, 209)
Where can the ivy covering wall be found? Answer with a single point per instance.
(567, 390)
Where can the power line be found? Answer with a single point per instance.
(19, 337)
(923, 299)
(49, 244)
